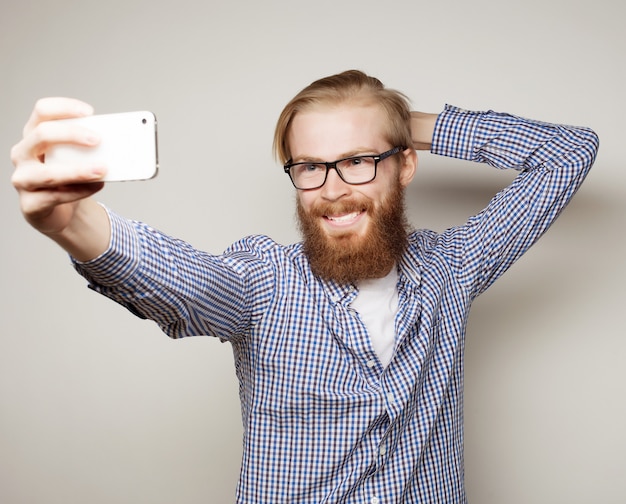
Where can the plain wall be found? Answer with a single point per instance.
(98, 406)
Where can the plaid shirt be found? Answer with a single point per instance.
(323, 420)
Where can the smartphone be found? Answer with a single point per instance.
(128, 146)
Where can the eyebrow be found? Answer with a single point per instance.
(361, 151)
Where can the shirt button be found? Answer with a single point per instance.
(382, 450)
(374, 500)
(391, 398)
(370, 363)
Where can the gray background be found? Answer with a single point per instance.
(98, 406)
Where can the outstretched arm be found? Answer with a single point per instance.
(55, 199)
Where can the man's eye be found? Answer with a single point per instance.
(352, 162)
(307, 169)
(361, 162)
(310, 168)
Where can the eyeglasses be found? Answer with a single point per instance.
(353, 170)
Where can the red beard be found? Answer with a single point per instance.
(348, 257)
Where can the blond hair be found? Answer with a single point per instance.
(352, 86)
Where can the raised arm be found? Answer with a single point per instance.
(422, 129)
(55, 199)
(552, 160)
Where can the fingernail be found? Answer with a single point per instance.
(85, 109)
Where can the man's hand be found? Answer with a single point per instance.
(55, 199)
(422, 128)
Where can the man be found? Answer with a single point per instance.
(348, 346)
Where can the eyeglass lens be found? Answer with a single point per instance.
(356, 170)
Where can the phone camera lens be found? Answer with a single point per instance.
(144, 121)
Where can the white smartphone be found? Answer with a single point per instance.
(128, 146)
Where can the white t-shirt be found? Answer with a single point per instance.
(377, 304)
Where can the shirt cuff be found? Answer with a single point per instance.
(454, 134)
(119, 261)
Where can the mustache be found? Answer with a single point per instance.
(343, 207)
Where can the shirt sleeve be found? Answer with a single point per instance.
(553, 160)
(187, 292)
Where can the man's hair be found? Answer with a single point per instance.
(352, 86)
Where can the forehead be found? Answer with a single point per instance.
(332, 131)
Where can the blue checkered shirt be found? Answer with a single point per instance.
(323, 421)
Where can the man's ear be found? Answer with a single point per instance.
(408, 166)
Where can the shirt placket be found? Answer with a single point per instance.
(391, 386)
(350, 330)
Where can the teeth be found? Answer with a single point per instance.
(343, 218)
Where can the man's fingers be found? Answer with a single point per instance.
(45, 200)
(47, 109)
(46, 134)
(36, 176)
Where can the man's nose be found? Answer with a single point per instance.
(334, 187)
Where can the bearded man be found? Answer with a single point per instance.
(349, 345)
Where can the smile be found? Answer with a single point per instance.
(344, 219)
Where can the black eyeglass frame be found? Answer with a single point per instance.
(333, 165)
